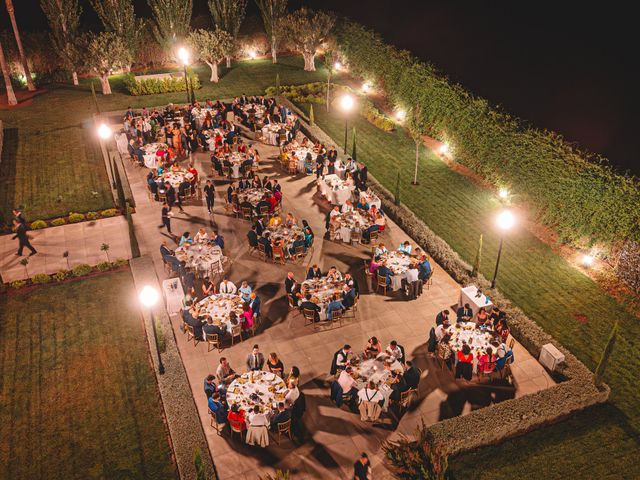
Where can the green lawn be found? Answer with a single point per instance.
(78, 398)
(51, 164)
(545, 286)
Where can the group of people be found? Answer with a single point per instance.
(416, 275)
(257, 111)
(275, 246)
(374, 219)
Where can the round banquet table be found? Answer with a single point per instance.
(270, 133)
(175, 178)
(286, 234)
(265, 389)
(202, 257)
(477, 338)
(218, 307)
(321, 290)
(371, 198)
(150, 157)
(334, 189)
(348, 222)
(399, 263)
(301, 155)
(236, 159)
(252, 195)
(373, 370)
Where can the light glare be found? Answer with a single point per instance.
(252, 54)
(148, 296)
(183, 55)
(444, 149)
(587, 260)
(503, 193)
(400, 115)
(346, 103)
(506, 220)
(104, 131)
(337, 65)
(366, 87)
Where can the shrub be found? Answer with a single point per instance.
(75, 217)
(109, 212)
(104, 266)
(38, 224)
(41, 278)
(60, 275)
(154, 86)
(56, 222)
(18, 284)
(121, 262)
(81, 270)
(417, 459)
(92, 215)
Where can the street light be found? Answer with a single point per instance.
(337, 66)
(444, 149)
(587, 260)
(505, 221)
(104, 132)
(366, 87)
(401, 115)
(503, 193)
(183, 55)
(149, 297)
(346, 103)
(252, 54)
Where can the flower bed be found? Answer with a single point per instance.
(74, 217)
(153, 86)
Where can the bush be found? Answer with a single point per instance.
(154, 86)
(75, 217)
(60, 275)
(56, 222)
(41, 278)
(121, 262)
(104, 266)
(92, 215)
(38, 225)
(81, 270)
(109, 212)
(18, 284)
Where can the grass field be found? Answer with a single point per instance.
(544, 285)
(78, 396)
(51, 164)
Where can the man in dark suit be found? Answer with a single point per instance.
(298, 242)
(348, 296)
(398, 386)
(195, 322)
(254, 304)
(209, 195)
(262, 204)
(260, 226)
(253, 237)
(283, 415)
(442, 317)
(18, 215)
(217, 164)
(255, 360)
(289, 282)
(23, 238)
(385, 272)
(210, 328)
(165, 251)
(230, 190)
(314, 272)
(307, 304)
(464, 313)
(166, 217)
(411, 374)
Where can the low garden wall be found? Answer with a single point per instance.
(576, 389)
(1, 138)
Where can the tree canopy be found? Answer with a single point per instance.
(64, 21)
(171, 20)
(211, 46)
(273, 12)
(118, 16)
(307, 29)
(106, 52)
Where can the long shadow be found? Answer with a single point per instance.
(8, 170)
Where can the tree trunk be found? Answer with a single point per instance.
(309, 61)
(11, 96)
(214, 71)
(274, 51)
(74, 75)
(23, 58)
(127, 68)
(106, 87)
(228, 63)
(415, 173)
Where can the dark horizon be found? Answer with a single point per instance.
(555, 66)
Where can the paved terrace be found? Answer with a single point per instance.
(334, 437)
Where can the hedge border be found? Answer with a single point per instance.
(510, 418)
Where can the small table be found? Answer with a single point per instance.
(469, 295)
(173, 295)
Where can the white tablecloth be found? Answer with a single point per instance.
(322, 290)
(219, 306)
(173, 294)
(399, 263)
(265, 389)
(468, 295)
(371, 198)
(174, 178)
(373, 370)
(333, 188)
(202, 257)
(477, 339)
(122, 143)
(348, 221)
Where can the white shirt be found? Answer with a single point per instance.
(334, 213)
(257, 420)
(395, 352)
(347, 208)
(228, 287)
(291, 396)
(411, 275)
(201, 237)
(366, 395)
(440, 331)
(342, 358)
(346, 381)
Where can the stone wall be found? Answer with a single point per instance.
(628, 268)
(1, 138)
(500, 421)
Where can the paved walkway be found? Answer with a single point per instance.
(82, 240)
(334, 437)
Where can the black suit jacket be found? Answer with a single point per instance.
(253, 238)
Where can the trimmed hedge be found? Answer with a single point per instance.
(38, 225)
(76, 217)
(56, 222)
(576, 193)
(61, 275)
(154, 86)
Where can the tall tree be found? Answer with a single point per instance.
(307, 29)
(64, 21)
(23, 57)
(273, 13)
(211, 47)
(118, 16)
(172, 19)
(228, 15)
(106, 52)
(11, 95)
(418, 129)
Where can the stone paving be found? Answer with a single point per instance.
(333, 437)
(82, 240)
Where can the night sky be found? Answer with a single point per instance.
(563, 67)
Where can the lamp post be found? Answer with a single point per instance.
(505, 222)
(183, 55)
(149, 297)
(105, 132)
(346, 103)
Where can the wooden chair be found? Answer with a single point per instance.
(262, 253)
(429, 281)
(278, 253)
(236, 331)
(365, 263)
(299, 253)
(488, 372)
(356, 238)
(382, 283)
(309, 316)
(264, 211)
(292, 306)
(512, 342)
(373, 237)
(336, 317)
(247, 213)
(406, 399)
(213, 342)
(235, 428)
(191, 334)
(351, 312)
(284, 428)
(293, 167)
(214, 423)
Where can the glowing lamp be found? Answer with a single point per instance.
(587, 260)
(444, 149)
(401, 115)
(149, 296)
(503, 193)
(506, 220)
(337, 65)
(252, 54)
(183, 55)
(366, 87)
(346, 103)
(104, 131)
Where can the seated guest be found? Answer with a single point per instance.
(218, 408)
(395, 351)
(442, 317)
(464, 367)
(424, 269)
(297, 243)
(282, 416)
(413, 286)
(225, 373)
(275, 365)
(405, 248)
(464, 313)
(266, 242)
(208, 288)
(254, 304)
(314, 272)
(191, 319)
(366, 233)
(290, 220)
(245, 291)
(482, 317)
(210, 329)
(334, 275)
(185, 240)
(165, 251)
(441, 330)
(502, 329)
(257, 433)
(263, 204)
(217, 239)
(347, 207)
(348, 383)
(411, 374)
(496, 315)
(246, 318)
(504, 357)
(255, 360)
(486, 361)
(275, 221)
(334, 306)
(252, 236)
(201, 236)
(292, 395)
(236, 418)
(340, 359)
(373, 348)
(227, 287)
(362, 204)
(385, 272)
(210, 385)
(308, 233)
(348, 296)
(398, 386)
(380, 250)
(369, 399)
(307, 304)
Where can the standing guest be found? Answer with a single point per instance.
(246, 317)
(294, 375)
(18, 215)
(260, 226)
(166, 217)
(252, 236)
(362, 468)
(209, 195)
(23, 238)
(275, 365)
(255, 360)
